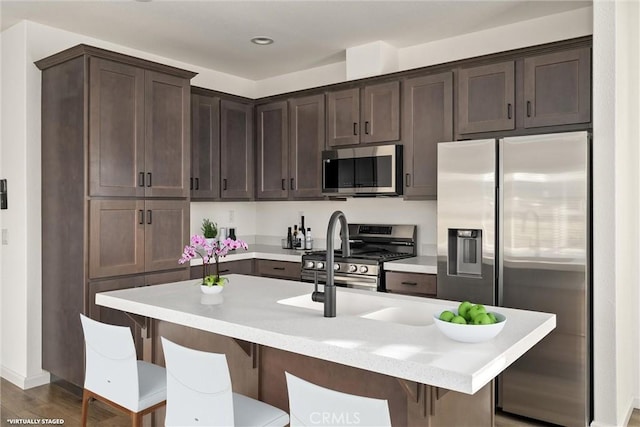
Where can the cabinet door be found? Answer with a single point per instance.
(167, 135)
(416, 284)
(166, 233)
(116, 237)
(381, 113)
(236, 147)
(557, 88)
(343, 126)
(486, 98)
(166, 277)
(306, 142)
(205, 147)
(427, 120)
(116, 130)
(273, 151)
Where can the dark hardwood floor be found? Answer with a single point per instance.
(51, 401)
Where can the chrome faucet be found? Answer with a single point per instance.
(328, 297)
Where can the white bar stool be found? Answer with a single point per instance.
(312, 405)
(114, 376)
(199, 393)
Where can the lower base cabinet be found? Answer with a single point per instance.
(278, 269)
(244, 266)
(416, 284)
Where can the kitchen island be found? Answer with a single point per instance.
(380, 345)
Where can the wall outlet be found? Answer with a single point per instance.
(5, 236)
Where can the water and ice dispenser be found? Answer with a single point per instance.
(465, 252)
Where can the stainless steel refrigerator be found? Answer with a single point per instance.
(514, 230)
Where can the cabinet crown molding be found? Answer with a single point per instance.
(91, 51)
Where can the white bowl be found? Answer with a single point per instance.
(470, 333)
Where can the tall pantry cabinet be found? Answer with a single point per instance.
(115, 189)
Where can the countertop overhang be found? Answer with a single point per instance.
(248, 309)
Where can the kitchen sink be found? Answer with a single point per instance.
(347, 304)
(402, 315)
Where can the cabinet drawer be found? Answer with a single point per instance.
(244, 266)
(278, 269)
(411, 283)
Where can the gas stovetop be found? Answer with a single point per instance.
(359, 255)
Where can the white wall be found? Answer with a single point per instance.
(562, 26)
(268, 221)
(616, 210)
(627, 93)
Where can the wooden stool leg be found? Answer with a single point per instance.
(85, 406)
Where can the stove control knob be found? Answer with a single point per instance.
(319, 265)
(310, 264)
(352, 268)
(364, 269)
(336, 266)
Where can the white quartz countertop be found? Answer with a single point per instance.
(248, 309)
(419, 264)
(274, 253)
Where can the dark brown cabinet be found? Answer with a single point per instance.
(486, 98)
(273, 151)
(236, 150)
(205, 147)
(123, 123)
(243, 266)
(416, 284)
(557, 88)
(427, 119)
(278, 269)
(376, 120)
(136, 236)
(289, 145)
(138, 133)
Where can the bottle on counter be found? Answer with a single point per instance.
(308, 242)
(289, 238)
(301, 235)
(295, 236)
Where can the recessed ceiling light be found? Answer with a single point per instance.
(262, 40)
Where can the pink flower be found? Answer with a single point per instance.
(206, 251)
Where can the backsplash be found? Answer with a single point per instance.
(267, 222)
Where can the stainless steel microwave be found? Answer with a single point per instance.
(363, 171)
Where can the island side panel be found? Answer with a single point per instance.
(273, 387)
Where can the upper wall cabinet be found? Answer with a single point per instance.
(205, 147)
(376, 120)
(557, 88)
(552, 89)
(290, 140)
(138, 132)
(427, 118)
(236, 150)
(486, 98)
(273, 151)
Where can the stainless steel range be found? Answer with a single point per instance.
(371, 245)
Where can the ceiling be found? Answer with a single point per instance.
(307, 34)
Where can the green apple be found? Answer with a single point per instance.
(474, 311)
(492, 317)
(463, 308)
(459, 319)
(447, 316)
(482, 319)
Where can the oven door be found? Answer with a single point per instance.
(368, 283)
